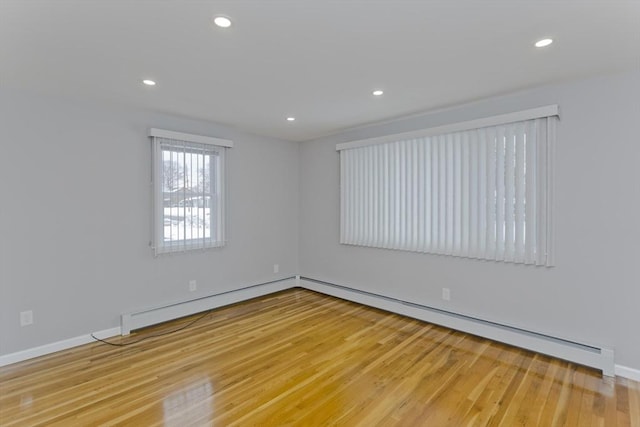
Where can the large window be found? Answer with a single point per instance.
(189, 191)
(481, 190)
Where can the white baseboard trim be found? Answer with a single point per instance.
(412, 310)
(628, 373)
(154, 315)
(42, 350)
(151, 315)
(594, 356)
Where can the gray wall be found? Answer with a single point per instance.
(74, 218)
(74, 221)
(591, 295)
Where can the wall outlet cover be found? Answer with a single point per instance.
(26, 318)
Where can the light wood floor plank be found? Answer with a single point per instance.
(303, 358)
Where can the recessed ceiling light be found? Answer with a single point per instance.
(149, 82)
(543, 42)
(377, 92)
(222, 21)
(291, 119)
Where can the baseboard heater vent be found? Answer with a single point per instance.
(154, 315)
(584, 354)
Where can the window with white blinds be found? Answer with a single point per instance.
(189, 191)
(482, 190)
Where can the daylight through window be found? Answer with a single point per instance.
(481, 191)
(189, 191)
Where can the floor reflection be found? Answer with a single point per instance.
(189, 405)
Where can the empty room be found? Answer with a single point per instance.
(319, 212)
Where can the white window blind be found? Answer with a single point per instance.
(189, 191)
(483, 192)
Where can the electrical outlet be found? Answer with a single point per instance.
(193, 285)
(26, 318)
(276, 268)
(446, 294)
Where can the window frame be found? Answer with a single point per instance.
(163, 141)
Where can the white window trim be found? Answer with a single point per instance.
(157, 217)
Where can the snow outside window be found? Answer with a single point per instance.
(189, 193)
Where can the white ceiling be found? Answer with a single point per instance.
(317, 60)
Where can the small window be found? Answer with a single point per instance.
(189, 191)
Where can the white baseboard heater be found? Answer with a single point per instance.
(583, 354)
(154, 315)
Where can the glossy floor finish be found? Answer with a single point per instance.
(302, 358)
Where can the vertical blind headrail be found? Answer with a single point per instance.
(188, 137)
(502, 119)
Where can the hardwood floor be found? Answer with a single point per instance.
(302, 358)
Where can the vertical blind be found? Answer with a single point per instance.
(479, 193)
(188, 197)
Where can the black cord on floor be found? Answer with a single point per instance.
(152, 336)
